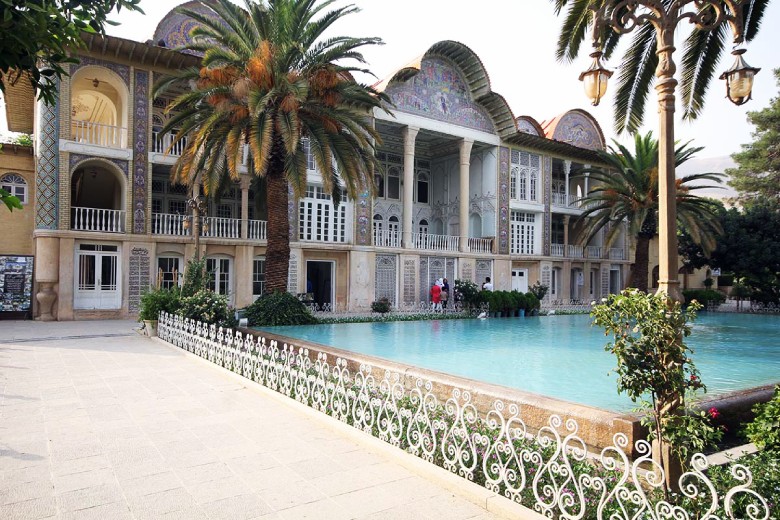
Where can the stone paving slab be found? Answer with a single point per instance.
(97, 421)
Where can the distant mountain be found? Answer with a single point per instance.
(706, 165)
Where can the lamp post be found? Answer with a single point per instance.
(198, 206)
(623, 16)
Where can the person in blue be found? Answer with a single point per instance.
(445, 293)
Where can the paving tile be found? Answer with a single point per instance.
(320, 510)
(285, 496)
(214, 490)
(113, 511)
(156, 504)
(89, 497)
(83, 480)
(446, 505)
(150, 484)
(237, 508)
(26, 491)
(29, 509)
(204, 473)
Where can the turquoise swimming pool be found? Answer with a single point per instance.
(557, 356)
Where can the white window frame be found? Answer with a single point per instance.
(258, 277)
(215, 275)
(179, 270)
(15, 184)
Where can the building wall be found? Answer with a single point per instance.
(18, 225)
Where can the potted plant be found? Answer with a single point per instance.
(153, 302)
(494, 303)
(532, 304)
(520, 303)
(381, 306)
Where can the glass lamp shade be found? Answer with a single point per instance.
(186, 223)
(739, 79)
(595, 79)
(205, 228)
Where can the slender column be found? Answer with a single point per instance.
(566, 170)
(463, 213)
(245, 206)
(566, 235)
(196, 218)
(667, 196)
(587, 187)
(410, 134)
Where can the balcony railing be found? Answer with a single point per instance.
(387, 238)
(95, 219)
(165, 143)
(617, 253)
(219, 227)
(558, 199)
(556, 249)
(594, 251)
(99, 134)
(435, 242)
(258, 230)
(169, 224)
(575, 252)
(481, 245)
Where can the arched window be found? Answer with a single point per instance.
(378, 227)
(513, 182)
(393, 231)
(15, 185)
(422, 188)
(379, 181)
(534, 177)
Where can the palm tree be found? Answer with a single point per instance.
(702, 51)
(269, 79)
(628, 191)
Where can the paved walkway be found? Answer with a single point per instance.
(99, 422)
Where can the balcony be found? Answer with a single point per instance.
(575, 252)
(165, 144)
(435, 242)
(95, 219)
(215, 227)
(617, 253)
(594, 251)
(556, 249)
(387, 238)
(481, 245)
(99, 134)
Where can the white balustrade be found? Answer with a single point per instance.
(594, 251)
(165, 143)
(576, 252)
(169, 224)
(99, 134)
(558, 199)
(617, 253)
(556, 249)
(548, 467)
(219, 227)
(258, 230)
(96, 219)
(481, 245)
(435, 242)
(387, 238)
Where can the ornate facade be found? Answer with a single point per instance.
(467, 190)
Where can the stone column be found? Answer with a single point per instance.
(566, 235)
(245, 206)
(566, 170)
(410, 134)
(47, 267)
(465, 164)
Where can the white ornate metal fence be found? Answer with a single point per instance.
(551, 471)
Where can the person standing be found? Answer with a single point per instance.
(436, 297)
(445, 293)
(487, 286)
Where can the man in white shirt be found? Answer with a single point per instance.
(487, 286)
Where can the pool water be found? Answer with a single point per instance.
(556, 356)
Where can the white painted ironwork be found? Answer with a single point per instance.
(169, 224)
(617, 253)
(575, 252)
(97, 133)
(594, 251)
(387, 237)
(165, 143)
(481, 245)
(218, 227)
(551, 472)
(556, 249)
(96, 219)
(258, 230)
(435, 242)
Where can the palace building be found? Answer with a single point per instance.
(467, 190)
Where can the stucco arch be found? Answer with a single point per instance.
(81, 83)
(98, 166)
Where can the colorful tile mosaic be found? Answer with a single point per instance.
(122, 70)
(525, 126)
(48, 163)
(174, 30)
(363, 218)
(292, 214)
(78, 158)
(141, 130)
(440, 92)
(547, 179)
(577, 129)
(503, 201)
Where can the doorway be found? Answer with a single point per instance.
(97, 277)
(319, 282)
(520, 280)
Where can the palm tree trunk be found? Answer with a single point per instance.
(639, 271)
(277, 256)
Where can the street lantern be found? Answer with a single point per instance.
(739, 79)
(595, 79)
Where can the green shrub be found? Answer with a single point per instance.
(278, 308)
(196, 277)
(704, 296)
(208, 307)
(159, 300)
(539, 290)
(382, 306)
(520, 300)
(532, 303)
(468, 294)
(708, 283)
(764, 431)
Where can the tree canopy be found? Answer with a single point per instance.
(36, 37)
(757, 175)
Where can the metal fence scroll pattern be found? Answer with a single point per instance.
(550, 471)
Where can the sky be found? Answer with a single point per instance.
(515, 39)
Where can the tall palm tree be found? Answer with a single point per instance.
(269, 79)
(702, 50)
(628, 191)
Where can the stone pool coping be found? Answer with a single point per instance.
(597, 426)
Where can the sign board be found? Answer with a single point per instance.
(16, 281)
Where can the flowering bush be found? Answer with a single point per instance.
(764, 431)
(208, 307)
